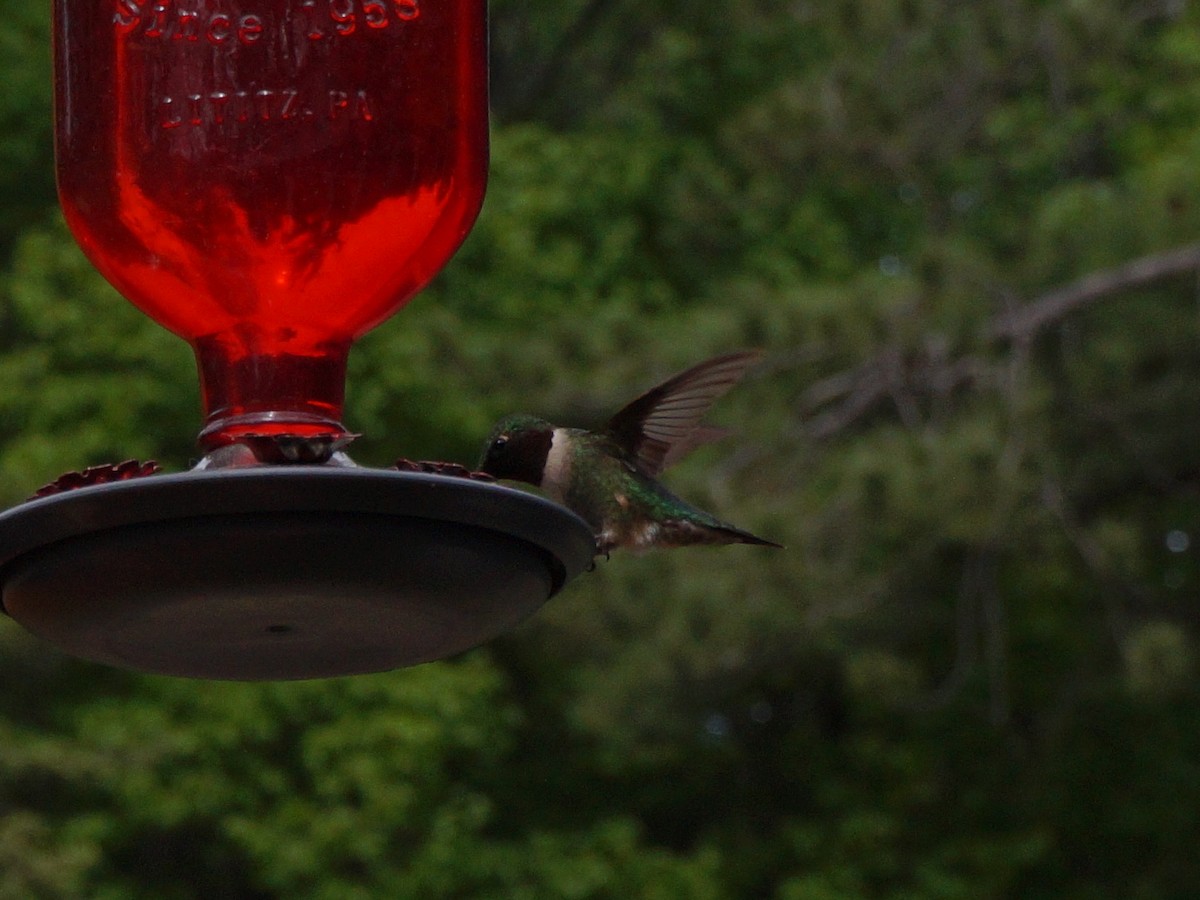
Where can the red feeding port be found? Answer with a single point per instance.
(269, 179)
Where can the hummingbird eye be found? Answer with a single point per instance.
(498, 443)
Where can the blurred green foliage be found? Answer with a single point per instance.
(972, 674)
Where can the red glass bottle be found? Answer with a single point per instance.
(269, 179)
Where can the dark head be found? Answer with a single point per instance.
(517, 449)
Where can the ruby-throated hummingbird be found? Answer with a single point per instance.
(610, 478)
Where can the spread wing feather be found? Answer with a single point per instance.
(663, 425)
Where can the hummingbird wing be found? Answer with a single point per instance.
(663, 425)
(700, 436)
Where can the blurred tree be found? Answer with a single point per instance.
(966, 234)
(26, 175)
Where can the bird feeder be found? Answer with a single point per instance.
(270, 179)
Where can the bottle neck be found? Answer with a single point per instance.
(250, 393)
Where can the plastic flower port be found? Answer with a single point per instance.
(93, 475)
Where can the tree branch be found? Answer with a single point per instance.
(843, 398)
(1026, 321)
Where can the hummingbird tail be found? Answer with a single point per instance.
(683, 533)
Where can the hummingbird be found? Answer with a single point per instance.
(610, 478)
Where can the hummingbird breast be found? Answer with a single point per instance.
(556, 475)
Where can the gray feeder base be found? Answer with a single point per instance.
(283, 572)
